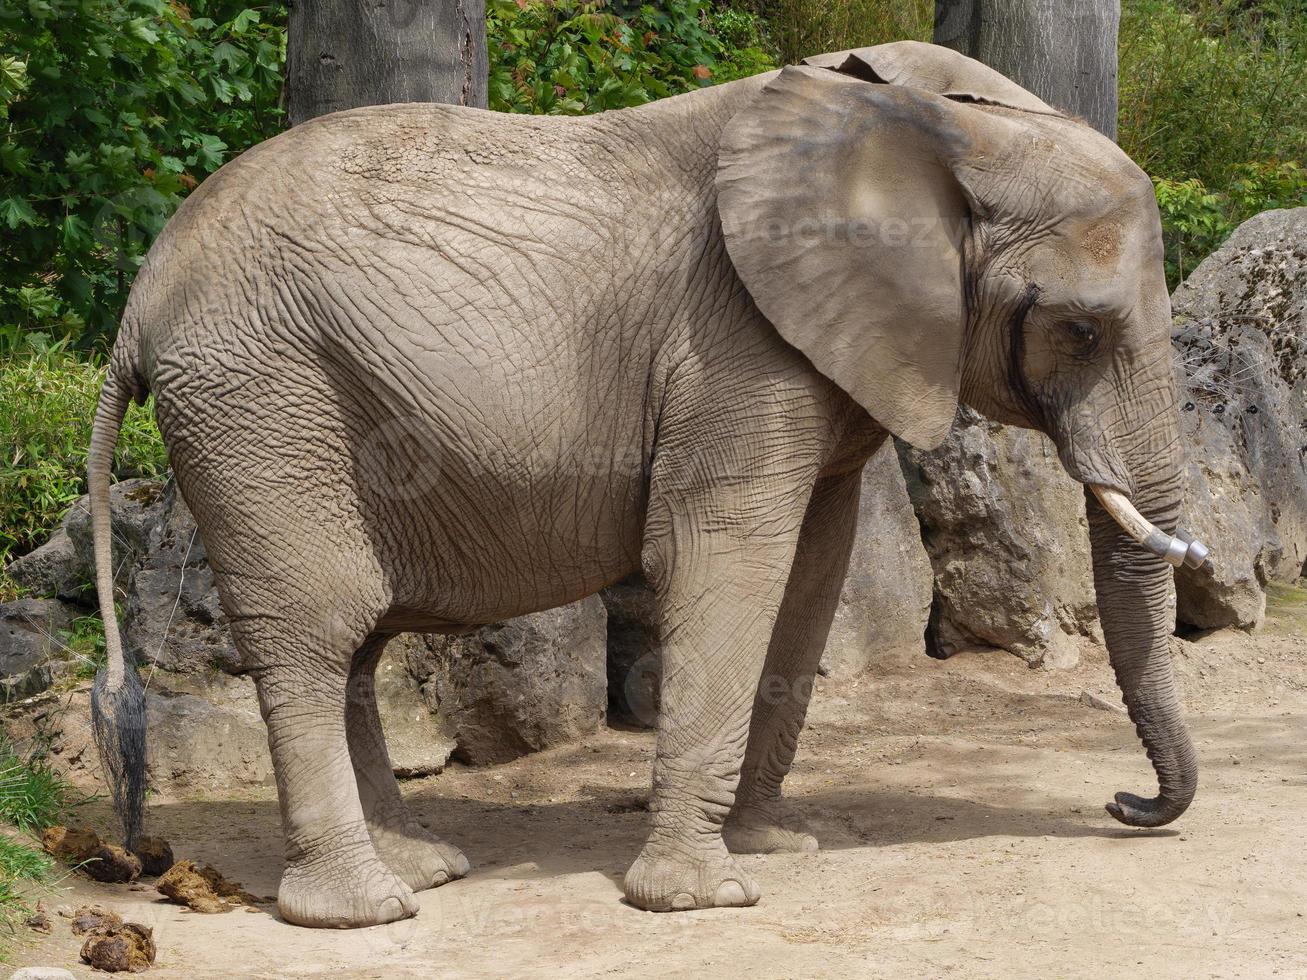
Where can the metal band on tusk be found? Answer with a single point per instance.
(1182, 549)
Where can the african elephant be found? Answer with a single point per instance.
(421, 367)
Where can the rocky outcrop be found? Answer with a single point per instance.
(30, 631)
(516, 687)
(886, 597)
(1005, 530)
(1241, 344)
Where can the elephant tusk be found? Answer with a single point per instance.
(1183, 549)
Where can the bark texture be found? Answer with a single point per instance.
(1064, 51)
(375, 52)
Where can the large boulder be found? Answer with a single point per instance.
(517, 687)
(885, 602)
(30, 643)
(1241, 346)
(1004, 526)
(172, 617)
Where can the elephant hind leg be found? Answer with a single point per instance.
(333, 877)
(419, 857)
(762, 821)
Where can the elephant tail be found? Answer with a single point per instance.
(117, 698)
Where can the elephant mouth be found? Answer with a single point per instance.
(1180, 549)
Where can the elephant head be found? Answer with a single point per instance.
(926, 231)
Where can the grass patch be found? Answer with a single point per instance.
(1286, 607)
(47, 405)
(84, 644)
(32, 794)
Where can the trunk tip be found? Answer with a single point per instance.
(1135, 811)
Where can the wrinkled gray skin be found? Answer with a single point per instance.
(422, 368)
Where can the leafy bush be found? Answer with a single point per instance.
(47, 405)
(799, 28)
(1196, 221)
(110, 111)
(567, 57)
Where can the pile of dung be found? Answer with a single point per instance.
(83, 847)
(155, 854)
(123, 948)
(88, 918)
(203, 889)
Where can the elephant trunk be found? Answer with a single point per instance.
(1133, 599)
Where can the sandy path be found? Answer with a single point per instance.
(959, 805)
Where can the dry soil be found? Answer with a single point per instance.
(960, 809)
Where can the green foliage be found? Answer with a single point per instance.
(84, 644)
(32, 794)
(1195, 221)
(110, 111)
(567, 57)
(799, 28)
(1214, 106)
(47, 405)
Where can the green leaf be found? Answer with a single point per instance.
(15, 213)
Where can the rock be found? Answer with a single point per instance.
(886, 597)
(635, 670)
(172, 615)
(54, 569)
(415, 740)
(128, 948)
(135, 514)
(88, 918)
(517, 687)
(155, 855)
(1241, 349)
(199, 743)
(1091, 700)
(29, 638)
(1005, 529)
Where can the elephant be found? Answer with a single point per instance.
(422, 367)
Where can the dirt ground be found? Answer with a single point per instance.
(960, 810)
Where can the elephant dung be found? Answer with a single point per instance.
(88, 918)
(517, 687)
(126, 948)
(155, 855)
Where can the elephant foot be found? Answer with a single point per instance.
(420, 858)
(329, 893)
(773, 827)
(667, 880)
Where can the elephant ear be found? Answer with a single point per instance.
(932, 68)
(845, 219)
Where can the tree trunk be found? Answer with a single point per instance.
(1064, 51)
(347, 53)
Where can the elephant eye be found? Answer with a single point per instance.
(1083, 333)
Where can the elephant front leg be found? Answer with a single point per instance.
(762, 821)
(418, 856)
(719, 583)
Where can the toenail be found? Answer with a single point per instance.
(683, 902)
(440, 878)
(462, 866)
(731, 893)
